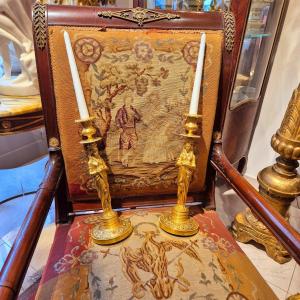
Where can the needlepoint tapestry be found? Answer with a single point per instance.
(150, 264)
(138, 85)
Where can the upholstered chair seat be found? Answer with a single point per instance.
(150, 264)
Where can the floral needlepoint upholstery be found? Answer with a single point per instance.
(150, 264)
(138, 85)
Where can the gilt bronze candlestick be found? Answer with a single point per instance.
(178, 222)
(111, 229)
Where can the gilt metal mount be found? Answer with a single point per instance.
(138, 15)
(229, 31)
(39, 25)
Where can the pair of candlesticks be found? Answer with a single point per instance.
(112, 229)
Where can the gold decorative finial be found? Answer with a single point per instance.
(111, 229)
(286, 141)
(178, 222)
(279, 184)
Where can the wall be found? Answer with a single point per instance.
(284, 78)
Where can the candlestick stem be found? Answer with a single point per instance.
(111, 228)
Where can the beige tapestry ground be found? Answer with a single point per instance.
(150, 264)
(138, 85)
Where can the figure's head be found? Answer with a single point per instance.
(188, 147)
(93, 149)
(128, 100)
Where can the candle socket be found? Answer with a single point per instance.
(178, 221)
(111, 229)
(191, 126)
(88, 131)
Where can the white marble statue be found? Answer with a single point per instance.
(16, 27)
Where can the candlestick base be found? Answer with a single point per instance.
(178, 222)
(111, 229)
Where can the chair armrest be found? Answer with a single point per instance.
(281, 229)
(18, 259)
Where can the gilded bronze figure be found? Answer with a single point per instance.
(187, 164)
(178, 221)
(98, 169)
(111, 228)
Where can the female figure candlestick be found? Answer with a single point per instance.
(111, 228)
(179, 222)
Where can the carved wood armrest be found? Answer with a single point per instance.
(17, 262)
(281, 229)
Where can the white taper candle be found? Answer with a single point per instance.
(198, 77)
(83, 110)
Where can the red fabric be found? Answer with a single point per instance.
(74, 265)
(209, 222)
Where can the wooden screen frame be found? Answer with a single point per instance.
(56, 15)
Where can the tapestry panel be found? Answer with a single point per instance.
(150, 264)
(138, 85)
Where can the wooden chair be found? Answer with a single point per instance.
(118, 41)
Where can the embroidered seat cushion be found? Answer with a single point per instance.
(138, 85)
(150, 264)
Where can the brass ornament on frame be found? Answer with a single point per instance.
(88, 2)
(53, 144)
(213, 5)
(138, 15)
(279, 184)
(200, 5)
(110, 229)
(39, 24)
(229, 30)
(178, 222)
(6, 124)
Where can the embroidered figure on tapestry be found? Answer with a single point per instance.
(126, 118)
